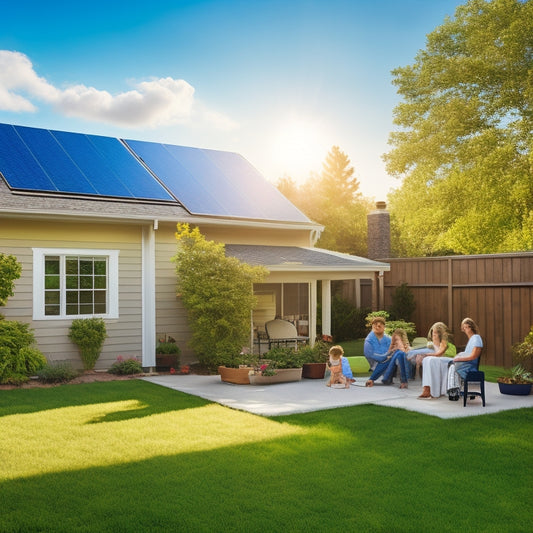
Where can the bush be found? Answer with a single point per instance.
(409, 328)
(285, 357)
(347, 321)
(167, 348)
(58, 372)
(126, 366)
(403, 303)
(89, 335)
(18, 359)
(318, 353)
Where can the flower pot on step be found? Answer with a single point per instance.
(517, 389)
(314, 370)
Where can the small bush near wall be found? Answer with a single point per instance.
(89, 335)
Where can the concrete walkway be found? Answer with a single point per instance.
(313, 395)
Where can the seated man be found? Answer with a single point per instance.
(377, 344)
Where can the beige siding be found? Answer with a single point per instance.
(124, 334)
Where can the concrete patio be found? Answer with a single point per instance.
(313, 395)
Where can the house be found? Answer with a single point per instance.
(92, 219)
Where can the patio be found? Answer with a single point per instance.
(313, 395)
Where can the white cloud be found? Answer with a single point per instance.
(157, 102)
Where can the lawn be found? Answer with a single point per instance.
(132, 456)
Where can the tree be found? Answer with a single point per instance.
(333, 200)
(217, 292)
(464, 145)
(10, 270)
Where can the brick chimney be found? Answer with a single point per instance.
(379, 232)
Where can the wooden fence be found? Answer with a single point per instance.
(496, 291)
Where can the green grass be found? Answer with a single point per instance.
(132, 456)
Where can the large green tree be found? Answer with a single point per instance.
(464, 142)
(333, 199)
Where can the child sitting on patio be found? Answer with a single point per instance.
(335, 367)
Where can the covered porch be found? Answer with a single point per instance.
(296, 275)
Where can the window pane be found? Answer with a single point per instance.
(51, 282)
(100, 282)
(86, 309)
(100, 267)
(71, 265)
(72, 282)
(86, 267)
(72, 297)
(99, 309)
(100, 297)
(86, 297)
(51, 297)
(72, 309)
(51, 265)
(86, 282)
(51, 310)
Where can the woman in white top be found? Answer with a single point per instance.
(435, 369)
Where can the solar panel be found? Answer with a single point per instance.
(211, 182)
(74, 163)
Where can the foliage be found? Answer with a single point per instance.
(217, 292)
(10, 270)
(285, 357)
(167, 347)
(384, 314)
(403, 303)
(89, 335)
(517, 375)
(463, 145)
(333, 200)
(18, 358)
(523, 351)
(408, 327)
(126, 366)
(318, 353)
(347, 320)
(57, 372)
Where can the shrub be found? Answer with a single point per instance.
(403, 303)
(285, 357)
(89, 335)
(167, 348)
(126, 366)
(347, 321)
(318, 353)
(217, 292)
(10, 270)
(58, 372)
(18, 359)
(409, 328)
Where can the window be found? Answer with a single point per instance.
(75, 283)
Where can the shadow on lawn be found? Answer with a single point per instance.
(153, 399)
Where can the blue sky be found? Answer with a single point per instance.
(279, 82)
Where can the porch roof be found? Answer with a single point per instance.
(296, 258)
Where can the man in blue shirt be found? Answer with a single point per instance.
(377, 343)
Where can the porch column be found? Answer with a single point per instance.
(375, 292)
(326, 307)
(381, 290)
(148, 297)
(312, 312)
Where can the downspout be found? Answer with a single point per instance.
(148, 296)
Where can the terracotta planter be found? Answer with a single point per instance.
(164, 361)
(517, 389)
(314, 370)
(239, 376)
(282, 376)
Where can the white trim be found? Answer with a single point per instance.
(148, 297)
(38, 280)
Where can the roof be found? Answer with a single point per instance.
(56, 164)
(295, 258)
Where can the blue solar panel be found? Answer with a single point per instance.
(41, 160)
(215, 183)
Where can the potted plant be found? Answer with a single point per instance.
(520, 379)
(236, 367)
(167, 354)
(279, 365)
(315, 358)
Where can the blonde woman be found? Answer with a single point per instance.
(438, 346)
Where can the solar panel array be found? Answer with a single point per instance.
(205, 182)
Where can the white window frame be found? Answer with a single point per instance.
(39, 255)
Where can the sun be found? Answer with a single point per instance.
(299, 148)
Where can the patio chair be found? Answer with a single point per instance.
(474, 376)
(283, 332)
